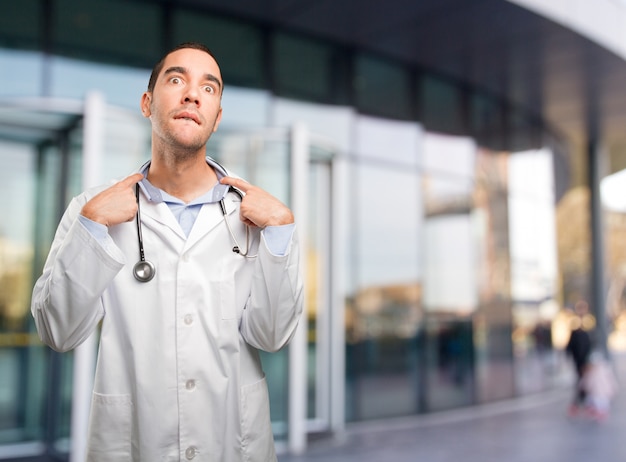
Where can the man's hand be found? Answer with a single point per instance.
(114, 205)
(258, 207)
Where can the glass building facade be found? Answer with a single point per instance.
(432, 267)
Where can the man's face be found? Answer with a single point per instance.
(185, 106)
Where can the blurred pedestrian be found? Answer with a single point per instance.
(599, 386)
(579, 348)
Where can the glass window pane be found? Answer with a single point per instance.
(451, 277)
(21, 27)
(108, 29)
(22, 357)
(486, 121)
(330, 122)
(441, 108)
(493, 319)
(16, 257)
(302, 68)
(534, 272)
(388, 140)
(29, 64)
(121, 86)
(384, 314)
(382, 88)
(449, 261)
(388, 212)
(244, 107)
(238, 46)
(127, 144)
(453, 155)
(448, 361)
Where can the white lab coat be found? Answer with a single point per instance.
(178, 375)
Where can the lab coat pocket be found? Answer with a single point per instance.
(110, 428)
(256, 430)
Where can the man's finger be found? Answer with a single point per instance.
(131, 180)
(238, 183)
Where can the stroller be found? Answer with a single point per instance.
(598, 386)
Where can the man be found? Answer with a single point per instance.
(178, 375)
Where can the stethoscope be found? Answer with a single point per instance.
(144, 270)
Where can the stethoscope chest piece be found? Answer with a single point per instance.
(144, 271)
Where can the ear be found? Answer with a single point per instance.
(218, 119)
(146, 100)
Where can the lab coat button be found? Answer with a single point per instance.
(186, 257)
(190, 385)
(188, 319)
(190, 452)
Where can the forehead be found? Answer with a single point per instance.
(192, 60)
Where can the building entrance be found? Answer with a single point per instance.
(50, 151)
(39, 151)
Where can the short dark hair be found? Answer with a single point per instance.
(158, 67)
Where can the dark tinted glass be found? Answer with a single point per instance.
(382, 88)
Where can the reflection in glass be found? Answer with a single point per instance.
(317, 289)
(19, 411)
(534, 281)
(384, 313)
(35, 382)
(121, 86)
(371, 75)
(29, 63)
(237, 44)
(450, 271)
(492, 321)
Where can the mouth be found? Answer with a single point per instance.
(189, 116)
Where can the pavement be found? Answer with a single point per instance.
(533, 428)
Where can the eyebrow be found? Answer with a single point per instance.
(183, 70)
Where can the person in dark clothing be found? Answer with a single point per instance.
(579, 349)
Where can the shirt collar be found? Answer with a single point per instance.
(156, 195)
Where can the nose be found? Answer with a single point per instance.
(191, 95)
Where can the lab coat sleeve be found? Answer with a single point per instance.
(275, 305)
(66, 302)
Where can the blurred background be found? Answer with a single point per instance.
(454, 166)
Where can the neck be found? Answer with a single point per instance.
(183, 177)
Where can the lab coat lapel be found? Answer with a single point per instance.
(161, 213)
(209, 218)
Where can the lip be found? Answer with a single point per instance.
(188, 115)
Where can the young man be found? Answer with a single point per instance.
(178, 375)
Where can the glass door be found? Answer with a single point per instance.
(35, 382)
(262, 158)
(266, 158)
(318, 299)
(41, 151)
(43, 162)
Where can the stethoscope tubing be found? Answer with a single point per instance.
(144, 270)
